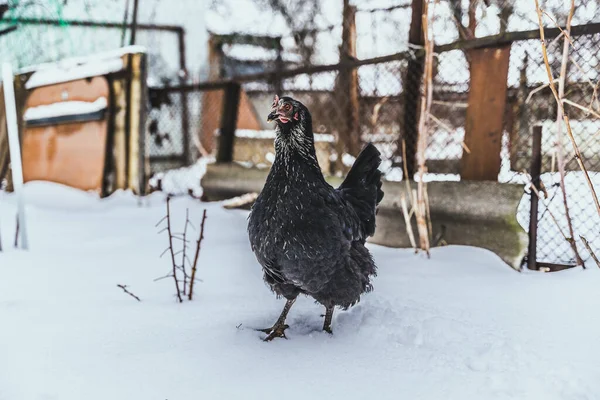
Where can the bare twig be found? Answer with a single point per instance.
(558, 94)
(240, 201)
(425, 112)
(537, 89)
(428, 213)
(558, 97)
(583, 108)
(409, 230)
(589, 249)
(124, 287)
(198, 245)
(178, 290)
(450, 104)
(185, 277)
(17, 233)
(406, 178)
(547, 208)
(376, 110)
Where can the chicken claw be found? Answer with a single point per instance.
(274, 332)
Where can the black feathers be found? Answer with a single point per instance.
(309, 237)
(362, 188)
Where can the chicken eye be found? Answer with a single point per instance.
(287, 107)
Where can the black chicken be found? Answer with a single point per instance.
(308, 236)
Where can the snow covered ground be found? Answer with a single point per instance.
(458, 326)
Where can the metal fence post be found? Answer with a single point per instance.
(229, 115)
(535, 172)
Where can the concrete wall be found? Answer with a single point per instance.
(481, 214)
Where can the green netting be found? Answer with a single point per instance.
(44, 34)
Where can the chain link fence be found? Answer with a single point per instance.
(371, 100)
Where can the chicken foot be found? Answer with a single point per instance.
(278, 330)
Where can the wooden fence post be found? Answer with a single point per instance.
(485, 113)
(348, 79)
(229, 115)
(535, 172)
(412, 91)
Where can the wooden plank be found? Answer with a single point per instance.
(4, 154)
(412, 91)
(229, 123)
(485, 113)
(348, 84)
(72, 154)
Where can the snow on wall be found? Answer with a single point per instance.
(65, 108)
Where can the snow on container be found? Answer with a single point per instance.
(83, 121)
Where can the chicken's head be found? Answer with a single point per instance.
(285, 110)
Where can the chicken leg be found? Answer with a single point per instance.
(328, 318)
(278, 330)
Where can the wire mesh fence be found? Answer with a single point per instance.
(383, 88)
(368, 101)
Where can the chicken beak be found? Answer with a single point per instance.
(273, 116)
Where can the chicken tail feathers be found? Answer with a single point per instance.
(362, 187)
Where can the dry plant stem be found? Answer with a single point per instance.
(589, 249)
(447, 127)
(17, 234)
(194, 266)
(558, 99)
(537, 89)
(449, 104)
(406, 180)
(586, 109)
(183, 259)
(425, 111)
(537, 193)
(124, 287)
(409, 231)
(178, 291)
(428, 213)
(561, 113)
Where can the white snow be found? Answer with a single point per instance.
(552, 246)
(185, 180)
(60, 74)
(74, 61)
(270, 134)
(74, 68)
(65, 108)
(460, 325)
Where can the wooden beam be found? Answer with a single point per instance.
(484, 42)
(229, 122)
(535, 171)
(94, 24)
(347, 90)
(412, 91)
(269, 42)
(8, 30)
(485, 113)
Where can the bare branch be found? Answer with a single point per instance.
(589, 249)
(187, 219)
(558, 94)
(409, 230)
(124, 287)
(537, 89)
(198, 245)
(178, 291)
(426, 99)
(586, 109)
(160, 222)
